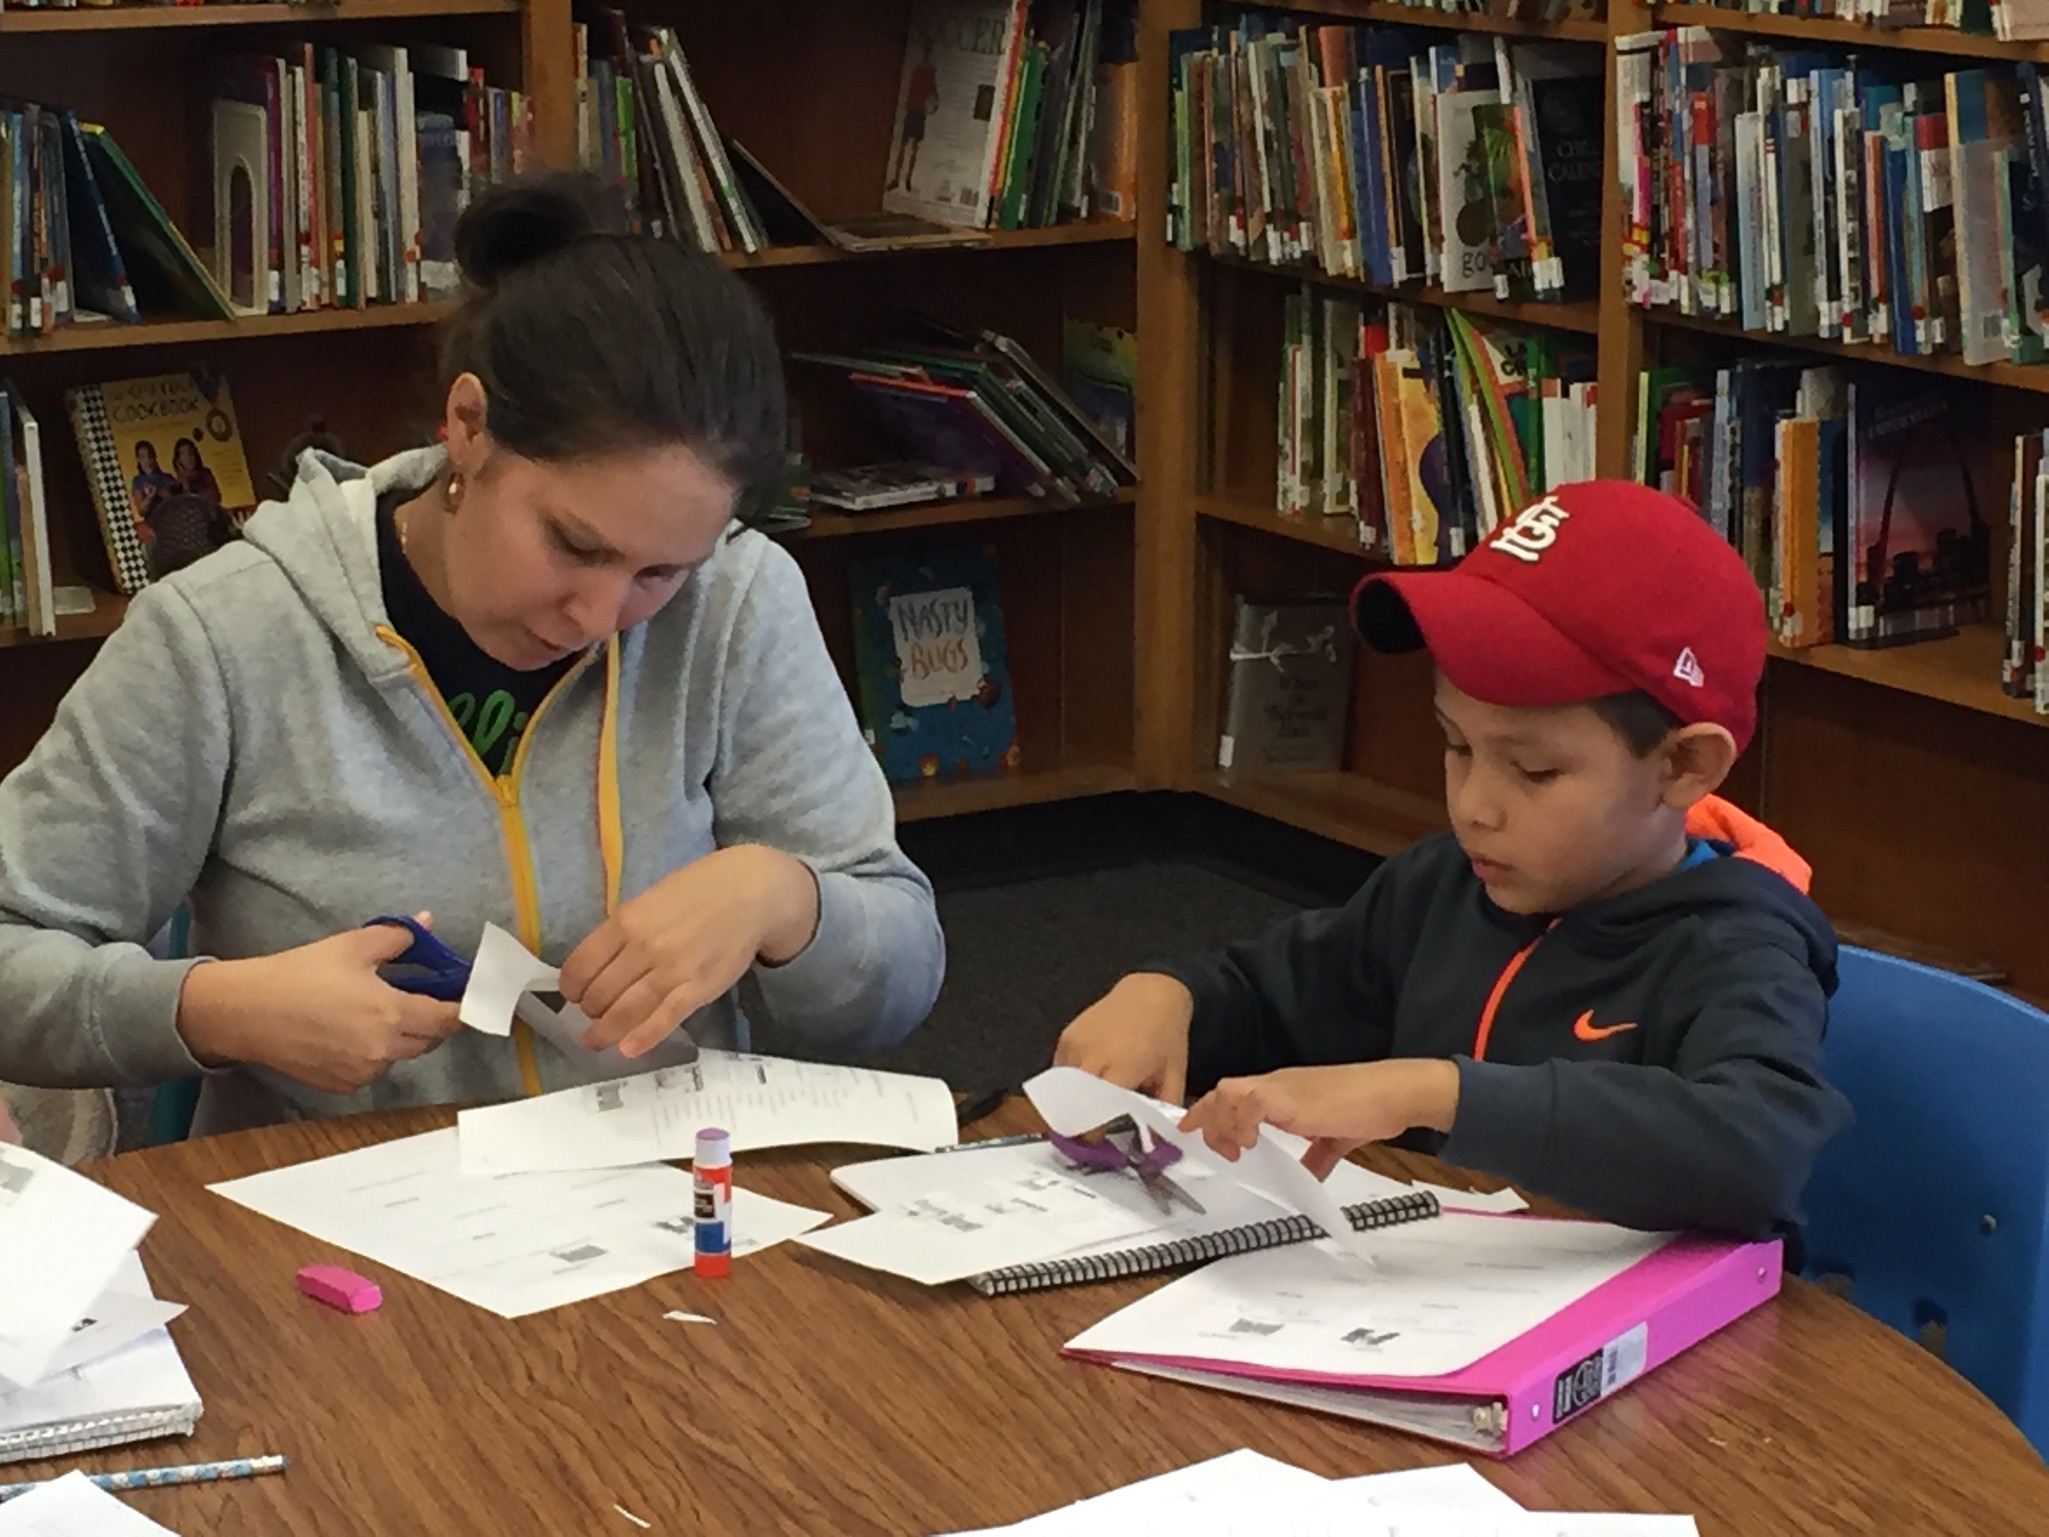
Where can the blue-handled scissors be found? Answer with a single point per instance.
(1123, 1145)
(428, 966)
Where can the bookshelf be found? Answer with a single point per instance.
(1898, 772)
(1919, 789)
(821, 116)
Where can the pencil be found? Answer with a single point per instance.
(150, 1478)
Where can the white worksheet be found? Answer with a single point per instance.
(1444, 1294)
(1074, 1102)
(74, 1506)
(1452, 1486)
(511, 1244)
(761, 1101)
(953, 1231)
(62, 1238)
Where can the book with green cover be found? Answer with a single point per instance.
(168, 277)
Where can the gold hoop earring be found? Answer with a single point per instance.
(451, 491)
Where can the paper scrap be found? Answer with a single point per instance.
(508, 980)
(761, 1101)
(511, 1244)
(66, 1237)
(1074, 1102)
(74, 1506)
(1456, 1486)
(646, 1526)
(1503, 1200)
(677, 1315)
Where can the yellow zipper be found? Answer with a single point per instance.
(526, 899)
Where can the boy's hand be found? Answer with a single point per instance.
(1336, 1108)
(1135, 1036)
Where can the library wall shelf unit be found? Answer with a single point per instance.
(816, 108)
(1919, 789)
(1915, 784)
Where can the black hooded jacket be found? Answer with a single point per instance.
(1652, 1059)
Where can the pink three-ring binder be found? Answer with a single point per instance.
(1511, 1397)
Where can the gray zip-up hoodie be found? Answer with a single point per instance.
(257, 742)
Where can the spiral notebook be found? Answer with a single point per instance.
(1235, 1221)
(139, 1392)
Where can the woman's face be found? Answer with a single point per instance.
(185, 457)
(145, 459)
(545, 559)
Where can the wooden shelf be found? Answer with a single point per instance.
(1578, 29)
(1581, 315)
(974, 509)
(1961, 670)
(1341, 533)
(1854, 34)
(1083, 232)
(956, 797)
(1349, 808)
(2016, 376)
(108, 609)
(103, 336)
(228, 13)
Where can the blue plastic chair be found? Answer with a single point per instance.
(1932, 1213)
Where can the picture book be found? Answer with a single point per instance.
(1922, 542)
(934, 689)
(950, 112)
(164, 459)
(1288, 685)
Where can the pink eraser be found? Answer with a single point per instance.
(340, 1288)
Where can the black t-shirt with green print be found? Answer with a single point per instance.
(491, 702)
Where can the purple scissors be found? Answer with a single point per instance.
(1123, 1145)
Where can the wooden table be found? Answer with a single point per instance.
(834, 1401)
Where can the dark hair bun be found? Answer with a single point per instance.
(518, 222)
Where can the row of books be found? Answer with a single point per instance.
(642, 123)
(1007, 116)
(977, 403)
(1427, 426)
(83, 238)
(1004, 106)
(1854, 494)
(1389, 154)
(2024, 669)
(28, 591)
(338, 176)
(339, 173)
(1823, 193)
(2012, 20)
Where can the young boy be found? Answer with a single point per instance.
(1572, 988)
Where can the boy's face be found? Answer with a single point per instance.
(1552, 807)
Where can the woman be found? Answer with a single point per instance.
(152, 482)
(535, 677)
(194, 478)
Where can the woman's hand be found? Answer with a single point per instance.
(1336, 1108)
(319, 1014)
(9, 1132)
(686, 940)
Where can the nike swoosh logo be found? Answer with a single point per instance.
(1585, 1028)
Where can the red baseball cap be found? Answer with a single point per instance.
(1595, 588)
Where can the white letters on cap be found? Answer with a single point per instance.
(1688, 668)
(1534, 530)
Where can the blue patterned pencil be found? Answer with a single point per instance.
(189, 1473)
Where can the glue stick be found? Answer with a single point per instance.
(712, 1171)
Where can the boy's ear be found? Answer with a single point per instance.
(1697, 759)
